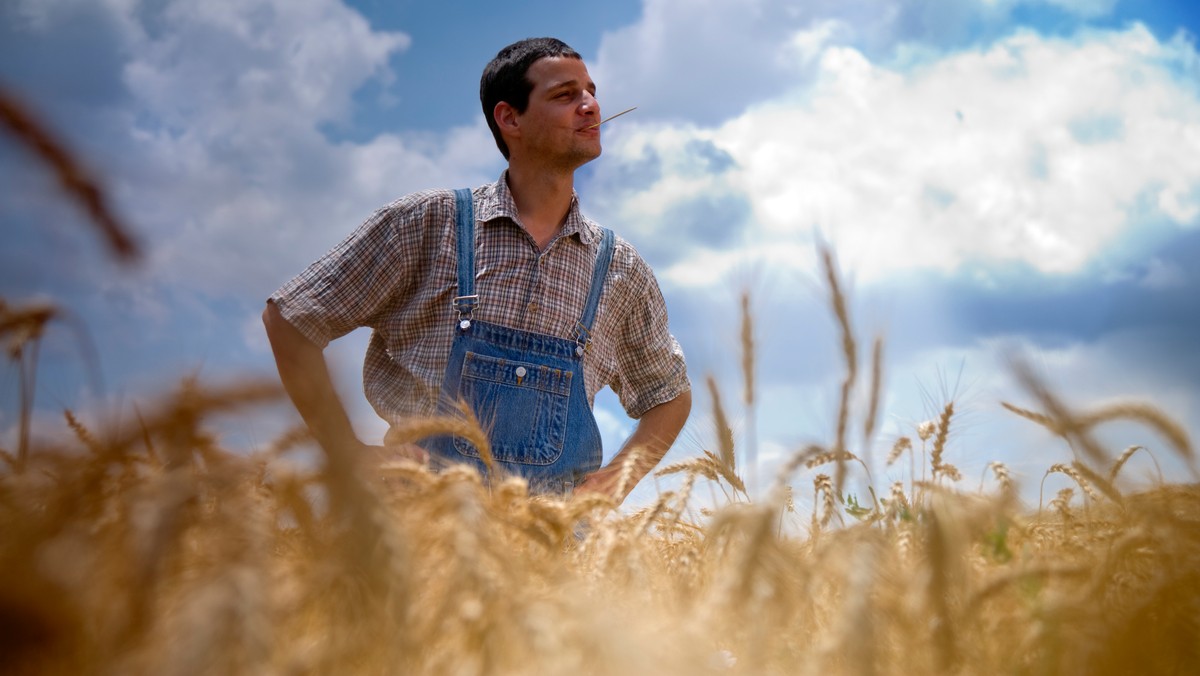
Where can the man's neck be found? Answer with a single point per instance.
(543, 200)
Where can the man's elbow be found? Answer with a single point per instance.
(269, 313)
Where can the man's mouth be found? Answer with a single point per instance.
(613, 117)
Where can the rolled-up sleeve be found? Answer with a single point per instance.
(346, 287)
(651, 366)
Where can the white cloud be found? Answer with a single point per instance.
(220, 158)
(238, 69)
(705, 60)
(1034, 150)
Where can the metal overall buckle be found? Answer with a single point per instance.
(464, 305)
(583, 338)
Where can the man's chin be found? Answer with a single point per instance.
(591, 153)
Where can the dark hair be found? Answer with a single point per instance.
(504, 78)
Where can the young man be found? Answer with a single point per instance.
(505, 297)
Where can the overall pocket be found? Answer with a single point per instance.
(521, 405)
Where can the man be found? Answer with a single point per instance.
(505, 297)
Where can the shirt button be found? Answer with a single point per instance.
(533, 307)
(521, 371)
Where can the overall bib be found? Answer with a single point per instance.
(525, 388)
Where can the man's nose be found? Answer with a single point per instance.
(590, 105)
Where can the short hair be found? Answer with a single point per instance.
(504, 78)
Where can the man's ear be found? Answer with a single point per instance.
(507, 119)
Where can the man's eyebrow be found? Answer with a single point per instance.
(590, 86)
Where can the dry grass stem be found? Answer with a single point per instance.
(612, 117)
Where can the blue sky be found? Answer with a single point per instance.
(997, 177)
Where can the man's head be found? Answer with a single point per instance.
(506, 78)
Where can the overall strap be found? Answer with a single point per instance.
(464, 215)
(583, 326)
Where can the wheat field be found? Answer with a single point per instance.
(155, 549)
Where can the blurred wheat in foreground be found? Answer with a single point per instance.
(155, 550)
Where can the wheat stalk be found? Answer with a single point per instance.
(1124, 458)
(1062, 503)
(849, 353)
(74, 180)
(1073, 472)
(939, 441)
(724, 432)
(902, 444)
(823, 495)
(876, 387)
(747, 340)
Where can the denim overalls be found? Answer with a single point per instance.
(525, 388)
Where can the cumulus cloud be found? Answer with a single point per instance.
(218, 150)
(699, 61)
(230, 101)
(705, 61)
(1034, 150)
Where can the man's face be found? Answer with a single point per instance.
(562, 105)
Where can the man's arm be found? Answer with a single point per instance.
(305, 377)
(650, 441)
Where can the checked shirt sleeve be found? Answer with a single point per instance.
(346, 287)
(651, 367)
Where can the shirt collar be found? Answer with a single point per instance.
(498, 203)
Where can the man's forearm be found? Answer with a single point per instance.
(650, 441)
(305, 377)
(654, 434)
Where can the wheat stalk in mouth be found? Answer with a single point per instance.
(611, 117)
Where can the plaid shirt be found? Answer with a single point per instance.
(397, 275)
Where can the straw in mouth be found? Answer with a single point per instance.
(610, 117)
